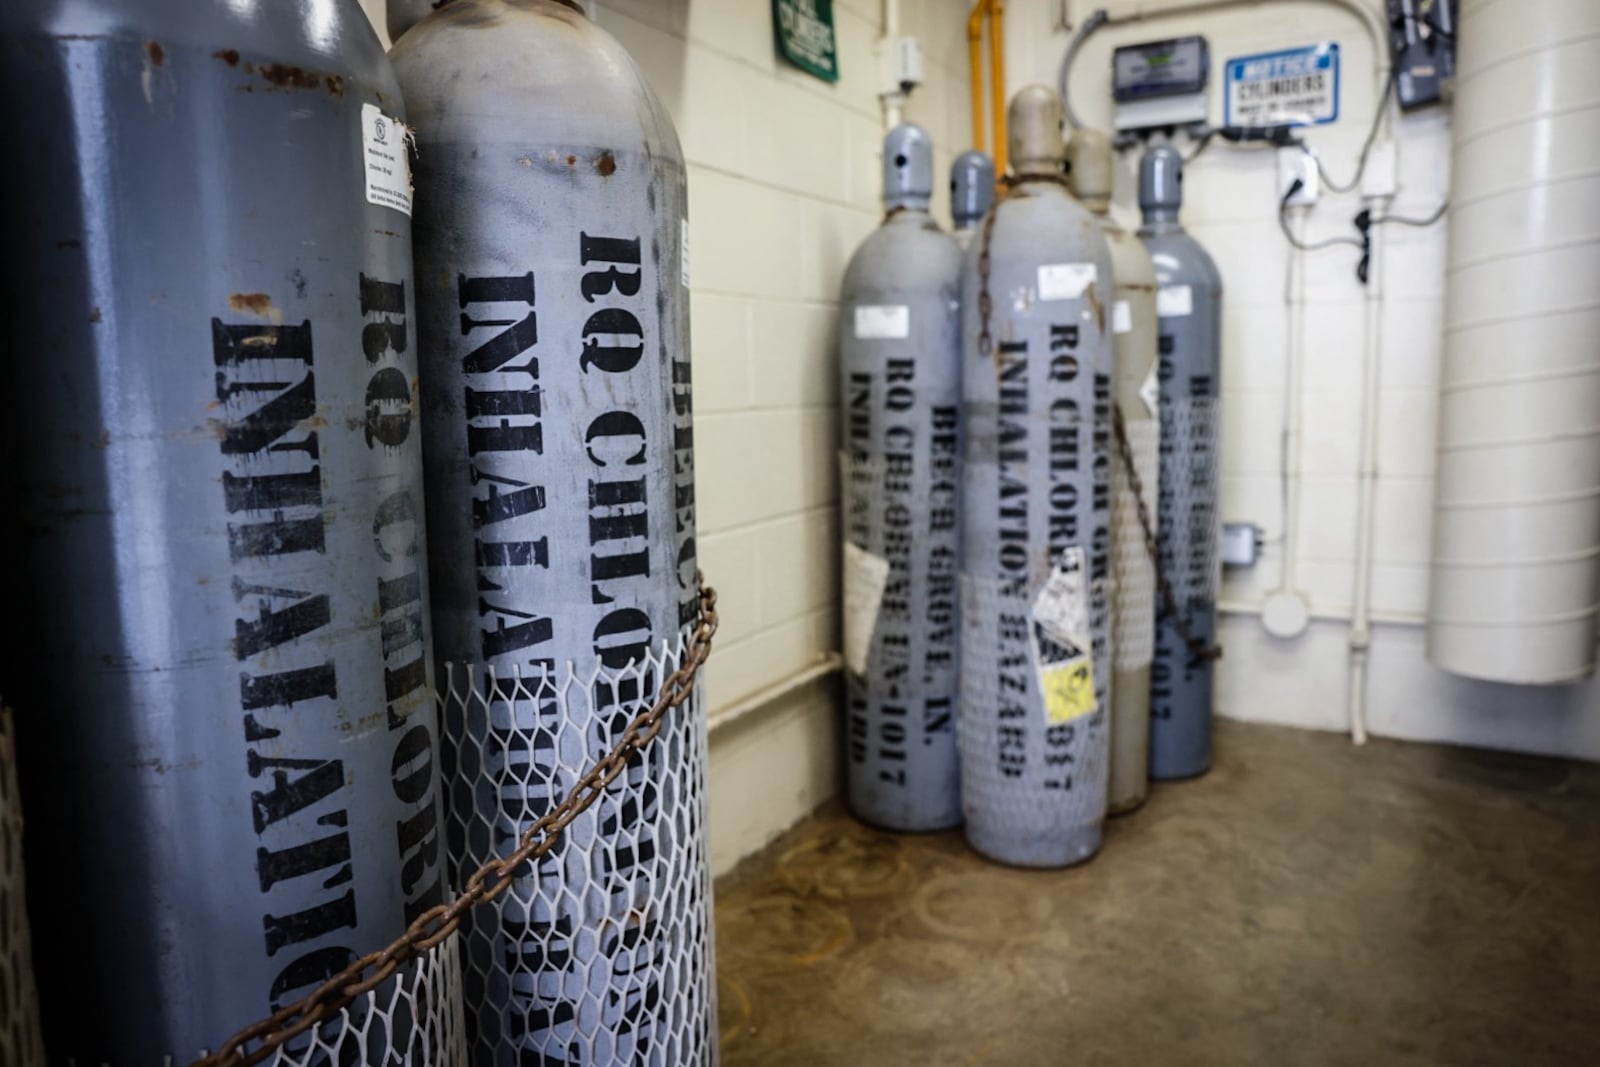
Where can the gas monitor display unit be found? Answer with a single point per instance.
(1161, 83)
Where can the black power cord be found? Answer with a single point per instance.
(1366, 146)
(1314, 246)
(1401, 220)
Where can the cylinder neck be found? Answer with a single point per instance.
(1161, 187)
(1162, 218)
(907, 168)
(1035, 121)
(404, 14)
(971, 188)
(1090, 170)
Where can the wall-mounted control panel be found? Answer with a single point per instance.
(1161, 83)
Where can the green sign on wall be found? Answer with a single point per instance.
(805, 36)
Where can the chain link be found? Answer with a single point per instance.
(255, 1043)
(985, 299)
(1199, 649)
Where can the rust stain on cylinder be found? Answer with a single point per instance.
(229, 56)
(606, 164)
(287, 76)
(1093, 298)
(256, 303)
(157, 54)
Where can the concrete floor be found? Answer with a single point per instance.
(1305, 903)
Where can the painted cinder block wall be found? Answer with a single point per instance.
(1231, 206)
(784, 183)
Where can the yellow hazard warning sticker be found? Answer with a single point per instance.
(1068, 690)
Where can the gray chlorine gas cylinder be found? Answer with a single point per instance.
(1036, 613)
(1135, 395)
(971, 193)
(1189, 307)
(213, 454)
(900, 388)
(553, 298)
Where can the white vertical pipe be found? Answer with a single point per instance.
(1291, 404)
(891, 99)
(1367, 473)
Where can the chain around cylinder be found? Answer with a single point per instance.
(1199, 649)
(985, 265)
(257, 1042)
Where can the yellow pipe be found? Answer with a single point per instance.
(997, 79)
(975, 52)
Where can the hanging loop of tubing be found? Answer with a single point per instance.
(994, 13)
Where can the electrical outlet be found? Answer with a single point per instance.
(1298, 164)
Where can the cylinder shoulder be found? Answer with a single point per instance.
(1130, 260)
(500, 68)
(905, 253)
(1047, 225)
(1180, 260)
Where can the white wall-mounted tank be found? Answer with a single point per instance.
(1516, 544)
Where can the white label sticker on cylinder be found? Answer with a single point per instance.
(1061, 607)
(388, 163)
(883, 322)
(685, 246)
(865, 576)
(1065, 281)
(1121, 317)
(1174, 301)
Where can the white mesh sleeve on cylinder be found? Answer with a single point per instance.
(20, 1042)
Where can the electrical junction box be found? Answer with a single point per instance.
(1241, 544)
(1161, 83)
(901, 65)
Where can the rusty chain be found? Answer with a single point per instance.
(255, 1043)
(985, 300)
(1199, 649)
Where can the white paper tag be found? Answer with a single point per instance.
(1174, 301)
(685, 247)
(1061, 607)
(1063, 652)
(1121, 317)
(865, 576)
(1065, 281)
(1150, 391)
(883, 322)
(388, 159)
